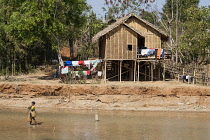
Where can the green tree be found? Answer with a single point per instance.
(170, 8)
(173, 16)
(93, 26)
(195, 41)
(150, 17)
(32, 30)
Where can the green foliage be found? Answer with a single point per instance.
(93, 26)
(170, 7)
(30, 30)
(150, 17)
(195, 41)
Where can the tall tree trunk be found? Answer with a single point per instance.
(177, 14)
(71, 45)
(26, 64)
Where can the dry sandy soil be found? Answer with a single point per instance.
(171, 95)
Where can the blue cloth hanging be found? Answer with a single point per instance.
(68, 63)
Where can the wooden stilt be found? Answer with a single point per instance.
(134, 71)
(138, 70)
(118, 62)
(145, 75)
(130, 75)
(105, 71)
(207, 76)
(158, 73)
(151, 71)
(120, 70)
(115, 69)
(164, 68)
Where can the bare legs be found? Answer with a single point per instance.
(33, 119)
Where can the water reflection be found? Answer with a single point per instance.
(117, 125)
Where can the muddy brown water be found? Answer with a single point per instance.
(64, 124)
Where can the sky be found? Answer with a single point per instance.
(98, 4)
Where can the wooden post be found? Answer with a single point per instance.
(158, 73)
(134, 72)
(194, 77)
(145, 72)
(183, 71)
(207, 75)
(151, 71)
(164, 68)
(118, 66)
(105, 72)
(131, 73)
(138, 70)
(96, 117)
(120, 70)
(115, 69)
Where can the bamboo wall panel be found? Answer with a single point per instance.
(102, 45)
(152, 39)
(121, 42)
(107, 46)
(147, 41)
(118, 53)
(137, 24)
(111, 46)
(132, 40)
(117, 43)
(115, 48)
(125, 41)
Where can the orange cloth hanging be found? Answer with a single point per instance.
(159, 51)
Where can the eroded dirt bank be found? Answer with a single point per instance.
(127, 96)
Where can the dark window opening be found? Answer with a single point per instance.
(141, 43)
(130, 47)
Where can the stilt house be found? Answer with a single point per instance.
(120, 46)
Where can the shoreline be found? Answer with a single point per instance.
(128, 96)
(42, 109)
(43, 103)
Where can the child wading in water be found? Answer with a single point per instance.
(32, 113)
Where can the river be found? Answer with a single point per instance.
(65, 124)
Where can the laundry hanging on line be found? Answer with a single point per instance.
(94, 63)
(157, 53)
(80, 73)
(64, 70)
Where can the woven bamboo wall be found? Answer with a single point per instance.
(102, 46)
(152, 37)
(117, 42)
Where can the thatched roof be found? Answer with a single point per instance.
(122, 21)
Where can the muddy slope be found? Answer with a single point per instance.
(55, 90)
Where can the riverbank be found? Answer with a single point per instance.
(159, 95)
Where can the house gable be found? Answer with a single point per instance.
(121, 43)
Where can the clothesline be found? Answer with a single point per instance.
(94, 63)
(88, 63)
(80, 73)
(65, 70)
(158, 53)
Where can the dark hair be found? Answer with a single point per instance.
(33, 102)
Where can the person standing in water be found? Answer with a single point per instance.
(32, 113)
